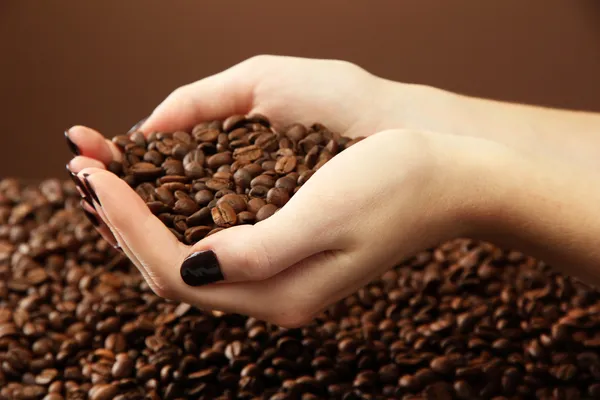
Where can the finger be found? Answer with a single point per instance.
(90, 143)
(99, 224)
(121, 245)
(216, 97)
(81, 162)
(144, 236)
(291, 298)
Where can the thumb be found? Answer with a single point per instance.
(215, 97)
(258, 252)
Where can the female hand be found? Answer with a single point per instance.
(348, 224)
(338, 94)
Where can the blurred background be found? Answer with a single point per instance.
(108, 64)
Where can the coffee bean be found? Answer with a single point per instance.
(144, 171)
(277, 196)
(219, 183)
(286, 164)
(258, 192)
(296, 132)
(235, 201)
(216, 160)
(255, 204)
(224, 215)
(123, 366)
(263, 180)
(196, 233)
(103, 392)
(185, 205)
(233, 122)
(265, 212)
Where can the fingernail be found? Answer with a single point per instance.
(72, 146)
(137, 126)
(85, 195)
(90, 188)
(201, 268)
(117, 247)
(93, 219)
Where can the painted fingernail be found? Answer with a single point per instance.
(201, 268)
(72, 146)
(90, 188)
(137, 126)
(93, 219)
(117, 247)
(85, 195)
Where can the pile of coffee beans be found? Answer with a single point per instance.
(463, 321)
(223, 173)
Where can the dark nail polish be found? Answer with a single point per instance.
(93, 219)
(201, 268)
(90, 188)
(137, 126)
(83, 190)
(72, 146)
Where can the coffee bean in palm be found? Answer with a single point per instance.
(224, 215)
(277, 197)
(265, 212)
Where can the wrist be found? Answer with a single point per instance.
(473, 177)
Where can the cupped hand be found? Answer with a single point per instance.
(287, 90)
(349, 223)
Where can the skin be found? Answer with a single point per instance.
(436, 166)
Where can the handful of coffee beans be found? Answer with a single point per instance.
(223, 173)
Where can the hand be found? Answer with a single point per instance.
(338, 94)
(348, 224)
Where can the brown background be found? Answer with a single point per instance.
(106, 64)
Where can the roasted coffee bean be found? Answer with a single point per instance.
(296, 132)
(263, 180)
(258, 192)
(216, 160)
(233, 122)
(287, 183)
(235, 201)
(224, 215)
(246, 217)
(173, 167)
(248, 153)
(200, 217)
(265, 212)
(185, 205)
(196, 233)
(193, 164)
(277, 197)
(144, 171)
(255, 204)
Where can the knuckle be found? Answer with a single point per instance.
(257, 265)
